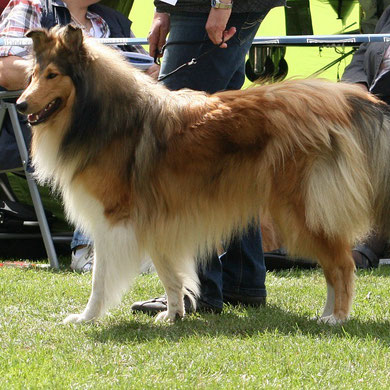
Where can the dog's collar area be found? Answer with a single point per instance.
(41, 116)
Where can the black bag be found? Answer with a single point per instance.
(16, 217)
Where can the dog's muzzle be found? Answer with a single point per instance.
(40, 116)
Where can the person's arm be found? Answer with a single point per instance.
(158, 32)
(355, 71)
(16, 19)
(216, 26)
(154, 69)
(13, 72)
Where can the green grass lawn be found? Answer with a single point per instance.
(278, 346)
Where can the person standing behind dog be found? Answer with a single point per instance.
(95, 20)
(370, 68)
(195, 29)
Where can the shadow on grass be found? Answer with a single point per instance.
(64, 267)
(238, 322)
(235, 323)
(298, 272)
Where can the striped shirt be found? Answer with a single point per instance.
(22, 15)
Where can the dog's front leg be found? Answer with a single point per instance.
(172, 281)
(175, 302)
(96, 302)
(116, 263)
(175, 298)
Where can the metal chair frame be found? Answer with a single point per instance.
(48, 238)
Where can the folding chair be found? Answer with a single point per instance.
(7, 103)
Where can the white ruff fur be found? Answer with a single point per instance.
(117, 257)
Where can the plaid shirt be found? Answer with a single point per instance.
(22, 15)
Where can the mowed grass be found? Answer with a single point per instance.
(278, 346)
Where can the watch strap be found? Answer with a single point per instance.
(221, 5)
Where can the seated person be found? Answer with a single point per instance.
(95, 20)
(371, 10)
(370, 68)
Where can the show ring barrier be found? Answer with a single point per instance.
(291, 40)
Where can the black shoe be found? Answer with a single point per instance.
(278, 259)
(364, 257)
(367, 254)
(156, 305)
(244, 300)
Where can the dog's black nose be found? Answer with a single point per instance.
(21, 106)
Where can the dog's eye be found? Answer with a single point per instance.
(51, 76)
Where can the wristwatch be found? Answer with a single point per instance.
(219, 4)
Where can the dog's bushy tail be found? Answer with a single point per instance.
(324, 124)
(339, 191)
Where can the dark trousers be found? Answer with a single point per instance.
(241, 269)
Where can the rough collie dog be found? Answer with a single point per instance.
(150, 172)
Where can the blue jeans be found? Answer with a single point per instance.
(241, 270)
(219, 70)
(79, 239)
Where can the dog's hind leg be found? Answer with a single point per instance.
(330, 299)
(178, 277)
(339, 270)
(116, 263)
(335, 257)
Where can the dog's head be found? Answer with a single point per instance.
(59, 56)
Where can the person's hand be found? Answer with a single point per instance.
(158, 33)
(216, 26)
(153, 71)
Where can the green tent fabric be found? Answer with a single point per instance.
(123, 6)
(298, 18)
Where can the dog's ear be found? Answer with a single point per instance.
(72, 38)
(40, 38)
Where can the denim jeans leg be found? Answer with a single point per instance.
(243, 266)
(210, 279)
(79, 239)
(239, 271)
(217, 70)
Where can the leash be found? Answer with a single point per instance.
(193, 61)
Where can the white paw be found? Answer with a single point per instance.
(166, 316)
(330, 320)
(76, 319)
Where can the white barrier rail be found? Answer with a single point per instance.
(291, 40)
